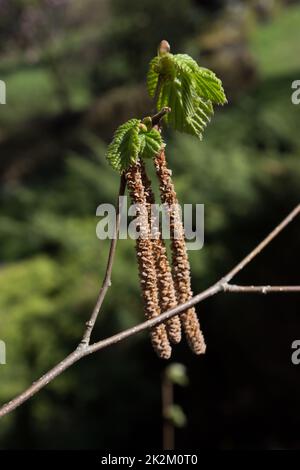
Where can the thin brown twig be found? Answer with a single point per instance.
(259, 289)
(79, 353)
(158, 117)
(221, 286)
(107, 277)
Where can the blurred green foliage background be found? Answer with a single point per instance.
(74, 71)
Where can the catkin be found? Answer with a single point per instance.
(180, 261)
(146, 264)
(167, 294)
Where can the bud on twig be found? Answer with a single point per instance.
(163, 48)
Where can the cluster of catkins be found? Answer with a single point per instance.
(162, 287)
(185, 93)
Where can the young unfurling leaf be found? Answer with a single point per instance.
(131, 140)
(205, 82)
(152, 143)
(125, 146)
(189, 90)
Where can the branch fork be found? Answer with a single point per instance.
(216, 288)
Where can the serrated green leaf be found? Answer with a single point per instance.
(125, 146)
(130, 141)
(188, 89)
(177, 119)
(142, 138)
(187, 94)
(172, 97)
(208, 85)
(152, 76)
(153, 144)
(196, 124)
(164, 95)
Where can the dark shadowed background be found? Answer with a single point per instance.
(74, 70)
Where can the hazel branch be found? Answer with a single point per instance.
(107, 277)
(221, 286)
(259, 289)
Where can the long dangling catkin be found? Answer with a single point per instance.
(146, 264)
(180, 261)
(167, 294)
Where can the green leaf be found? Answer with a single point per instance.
(131, 140)
(152, 76)
(189, 113)
(196, 124)
(188, 89)
(152, 143)
(142, 137)
(210, 86)
(125, 146)
(187, 94)
(207, 84)
(164, 95)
